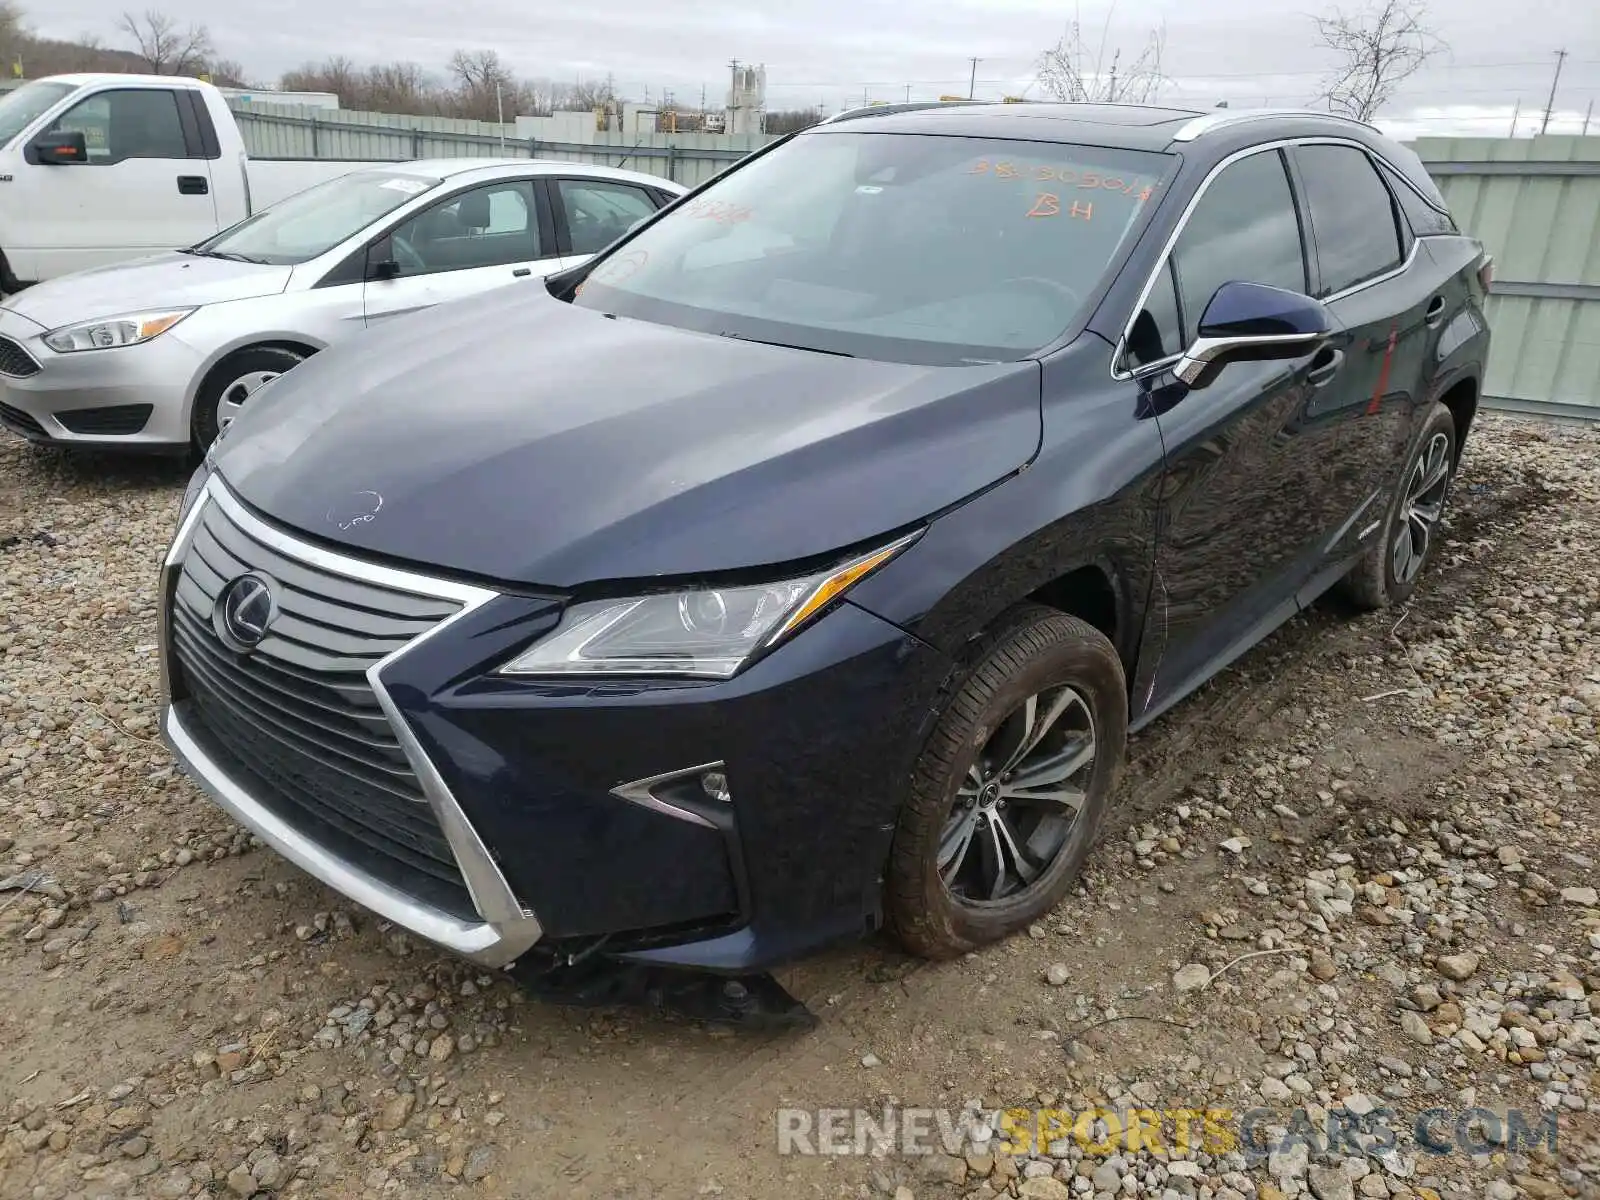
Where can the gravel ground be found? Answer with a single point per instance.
(1357, 871)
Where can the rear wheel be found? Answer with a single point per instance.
(1393, 564)
(1011, 788)
(230, 385)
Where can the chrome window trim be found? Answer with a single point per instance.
(508, 929)
(1117, 351)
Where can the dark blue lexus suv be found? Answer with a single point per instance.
(801, 564)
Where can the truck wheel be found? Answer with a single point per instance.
(232, 382)
(1008, 795)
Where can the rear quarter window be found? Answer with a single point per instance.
(1423, 218)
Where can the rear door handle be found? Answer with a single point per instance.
(1324, 367)
(1435, 311)
(193, 185)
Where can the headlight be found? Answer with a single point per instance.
(707, 633)
(109, 332)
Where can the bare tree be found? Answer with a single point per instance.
(1379, 48)
(164, 48)
(485, 86)
(1074, 70)
(228, 72)
(587, 94)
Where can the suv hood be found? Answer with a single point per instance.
(516, 438)
(165, 281)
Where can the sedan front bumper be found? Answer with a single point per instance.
(129, 397)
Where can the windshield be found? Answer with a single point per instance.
(911, 248)
(28, 103)
(312, 222)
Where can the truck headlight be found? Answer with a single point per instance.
(706, 632)
(107, 333)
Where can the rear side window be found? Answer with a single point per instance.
(1423, 218)
(1352, 215)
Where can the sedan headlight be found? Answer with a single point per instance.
(110, 332)
(707, 633)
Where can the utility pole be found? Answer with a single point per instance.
(1586, 117)
(1561, 57)
(500, 115)
(972, 80)
(908, 93)
(1516, 111)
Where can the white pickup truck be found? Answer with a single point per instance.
(95, 169)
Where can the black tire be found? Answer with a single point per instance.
(226, 376)
(1377, 581)
(1032, 651)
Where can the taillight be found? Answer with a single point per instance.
(1486, 272)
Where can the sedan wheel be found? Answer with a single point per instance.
(236, 393)
(1010, 790)
(225, 391)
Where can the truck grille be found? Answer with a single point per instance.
(295, 721)
(15, 361)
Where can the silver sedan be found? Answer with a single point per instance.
(163, 352)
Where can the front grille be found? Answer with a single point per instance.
(18, 421)
(117, 418)
(295, 721)
(15, 361)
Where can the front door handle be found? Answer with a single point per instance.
(193, 185)
(522, 272)
(1324, 367)
(1435, 312)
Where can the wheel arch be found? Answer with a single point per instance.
(294, 343)
(1461, 397)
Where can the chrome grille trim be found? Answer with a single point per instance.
(508, 930)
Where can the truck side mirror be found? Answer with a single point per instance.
(59, 148)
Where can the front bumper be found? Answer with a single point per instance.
(131, 397)
(541, 787)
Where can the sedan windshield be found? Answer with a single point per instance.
(21, 108)
(312, 222)
(911, 248)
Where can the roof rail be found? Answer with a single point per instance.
(1217, 120)
(885, 110)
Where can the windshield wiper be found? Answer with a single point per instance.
(227, 254)
(744, 337)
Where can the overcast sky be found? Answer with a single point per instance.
(832, 51)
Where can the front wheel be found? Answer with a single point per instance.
(231, 383)
(1393, 564)
(1011, 787)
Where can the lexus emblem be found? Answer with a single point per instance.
(243, 611)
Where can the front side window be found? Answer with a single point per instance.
(1352, 214)
(300, 227)
(910, 248)
(599, 212)
(131, 123)
(1242, 229)
(486, 226)
(27, 104)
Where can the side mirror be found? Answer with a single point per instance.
(381, 264)
(60, 148)
(384, 270)
(1251, 322)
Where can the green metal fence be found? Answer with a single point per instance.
(1535, 204)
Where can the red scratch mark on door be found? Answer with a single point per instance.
(1383, 371)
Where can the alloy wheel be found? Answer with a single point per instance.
(231, 403)
(1422, 509)
(1015, 812)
